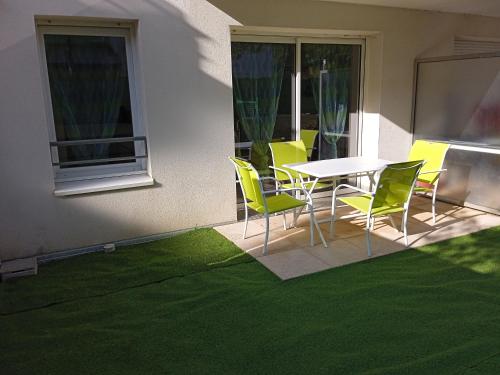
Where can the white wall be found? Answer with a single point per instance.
(399, 36)
(186, 77)
(184, 51)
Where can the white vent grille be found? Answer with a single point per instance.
(464, 46)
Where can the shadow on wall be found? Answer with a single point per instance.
(407, 35)
(182, 105)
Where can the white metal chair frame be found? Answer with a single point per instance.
(434, 191)
(301, 182)
(370, 220)
(266, 210)
(290, 178)
(435, 186)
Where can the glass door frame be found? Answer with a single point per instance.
(296, 82)
(280, 40)
(355, 139)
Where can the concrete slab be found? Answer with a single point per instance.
(290, 254)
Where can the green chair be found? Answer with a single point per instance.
(255, 198)
(433, 153)
(392, 195)
(288, 153)
(309, 138)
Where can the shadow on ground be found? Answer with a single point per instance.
(192, 305)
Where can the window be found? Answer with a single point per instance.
(285, 87)
(262, 98)
(91, 98)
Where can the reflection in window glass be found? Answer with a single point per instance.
(89, 87)
(262, 94)
(330, 96)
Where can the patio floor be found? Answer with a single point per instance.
(290, 254)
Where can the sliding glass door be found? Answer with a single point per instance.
(262, 98)
(329, 97)
(285, 86)
(295, 89)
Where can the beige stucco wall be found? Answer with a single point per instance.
(187, 101)
(403, 35)
(184, 53)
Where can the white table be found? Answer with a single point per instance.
(335, 168)
(330, 168)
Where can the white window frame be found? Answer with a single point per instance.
(140, 166)
(355, 138)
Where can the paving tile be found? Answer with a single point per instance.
(464, 212)
(444, 208)
(338, 253)
(344, 229)
(384, 225)
(425, 216)
(276, 221)
(458, 228)
(380, 245)
(234, 231)
(279, 241)
(425, 203)
(293, 263)
(290, 254)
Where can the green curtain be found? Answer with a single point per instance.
(257, 78)
(89, 85)
(335, 62)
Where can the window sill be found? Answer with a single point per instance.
(102, 184)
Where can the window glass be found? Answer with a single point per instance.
(89, 88)
(262, 94)
(330, 97)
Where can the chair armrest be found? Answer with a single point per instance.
(268, 178)
(282, 190)
(436, 171)
(354, 188)
(282, 170)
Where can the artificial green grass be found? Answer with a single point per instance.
(430, 310)
(130, 266)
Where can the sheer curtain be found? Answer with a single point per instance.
(330, 66)
(257, 80)
(89, 86)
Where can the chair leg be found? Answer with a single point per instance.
(311, 225)
(296, 215)
(319, 231)
(368, 240)
(284, 221)
(332, 227)
(266, 239)
(372, 223)
(434, 205)
(405, 222)
(246, 223)
(332, 219)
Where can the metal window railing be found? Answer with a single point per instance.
(57, 144)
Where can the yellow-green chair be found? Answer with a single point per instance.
(288, 153)
(433, 153)
(255, 198)
(392, 195)
(308, 137)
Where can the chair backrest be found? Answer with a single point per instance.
(396, 183)
(308, 137)
(287, 153)
(249, 180)
(433, 153)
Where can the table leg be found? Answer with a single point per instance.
(371, 176)
(311, 210)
